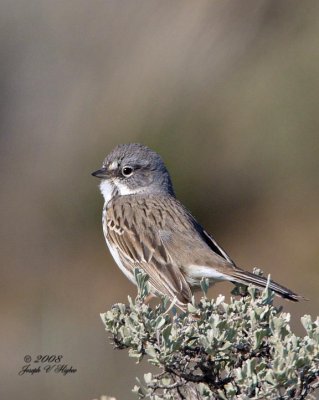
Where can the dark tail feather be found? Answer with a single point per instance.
(261, 282)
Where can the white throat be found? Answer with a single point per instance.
(107, 189)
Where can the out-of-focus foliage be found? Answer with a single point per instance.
(244, 349)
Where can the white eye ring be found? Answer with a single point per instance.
(127, 171)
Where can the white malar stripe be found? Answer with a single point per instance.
(106, 188)
(125, 191)
(195, 273)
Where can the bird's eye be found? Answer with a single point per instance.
(127, 171)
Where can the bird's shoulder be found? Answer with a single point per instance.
(153, 209)
(161, 217)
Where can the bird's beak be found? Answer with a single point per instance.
(100, 173)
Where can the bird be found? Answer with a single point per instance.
(145, 226)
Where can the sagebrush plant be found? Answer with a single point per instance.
(241, 350)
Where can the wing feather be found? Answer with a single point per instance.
(139, 244)
(157, 234)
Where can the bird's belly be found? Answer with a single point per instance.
(115, 255)
(195, 273)
(118, 261)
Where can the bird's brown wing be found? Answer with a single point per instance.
(157, 234)
(137, 227)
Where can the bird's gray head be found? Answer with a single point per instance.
(131, 169)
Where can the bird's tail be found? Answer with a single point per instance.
(246, 278)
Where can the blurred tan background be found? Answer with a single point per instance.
(226, 91)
